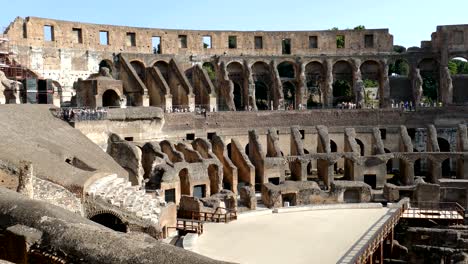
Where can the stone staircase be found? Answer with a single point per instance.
(120, 193)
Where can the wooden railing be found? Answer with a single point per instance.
(449, 211)
(215, 217)
(189, 226)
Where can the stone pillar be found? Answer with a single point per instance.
(276, 94)
(434, 170)
(325, 171)
(250, 83)
(416, 85)
(145, 99)
(407, 172)
(446, 86)
(26, 185)
(301, 87)
(328, 84)
(191, 102)
(384, 94)
(168, 101)
(358, 84)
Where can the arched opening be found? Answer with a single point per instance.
(314, 72)
(289, 95)
(458, 68)
(213, 175)
(286, 70)
(361, 147)
(444, 146)
(389, 163)
(418, 168)
(238, 98)
(229, 150)
(343, 82)
(333, 149)
(370, 72)
(263, 94)
(184, 178)
(106, 64)
(429, 70)
(235, 72)
(163, 67)
(110, 99)
(399, 68)
(210, 69)
(247, 149)
(262, 97)
(111, 221)
(139, 69)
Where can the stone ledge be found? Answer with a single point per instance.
(327, 207)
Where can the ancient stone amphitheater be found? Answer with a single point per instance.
(155, 132)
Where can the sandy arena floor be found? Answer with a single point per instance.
(321, 236)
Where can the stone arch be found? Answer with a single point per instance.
(429, 69)
(372, 79)
(139, 68)
(235, 72)
(361, 147)
(185, 182)
(110, 98)
(315, 74)
(261, 75)
(163, 67)
(334, 149)
(399, 67)
(110, 219)
(390, 162)
(287, 69)
(458, 67)
(108, 64)
(342, 82)
(444, 146)
(289, 95)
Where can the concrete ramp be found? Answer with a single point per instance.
(59, 153)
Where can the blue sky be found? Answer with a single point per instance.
(410, 21)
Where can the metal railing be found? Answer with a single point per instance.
(80, 114)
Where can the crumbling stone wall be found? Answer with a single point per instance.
(128, 156)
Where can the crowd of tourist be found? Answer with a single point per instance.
(81, 114)
(410, 106)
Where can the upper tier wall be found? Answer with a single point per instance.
(30, 32)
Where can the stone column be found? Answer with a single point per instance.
(446, 86)
(250, 84)
(407, 172)
(434, 170)
(25, 185)
(416, 85)
(384, 94)
(328, 84)
(276, 93)
(358, 84)
(301, 86)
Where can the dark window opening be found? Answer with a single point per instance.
(190, 136)
(369, 41)
(302, 131)
(340, 41)
(383, 133)
(77, 35)
(199, 191)
(210, 135)
(110, 221)
(207, 42)
(351, 196)
(128, 138)
(289, 198)
(258, 42)
(131, 39)
(275, 180)
(49, 33)
(412, 133)
(286, 46)
(183, 41)
(104, 37)
(232, 42)
(313, 42)
(169, 196)
(156, 43)
(371, 179)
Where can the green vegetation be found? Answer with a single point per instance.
(399, 49)
(210, 70)
(368, 83)
(400, 67)
(340, 41)
(457, 66)
(429, 87)
(342, 88)
(360, 27)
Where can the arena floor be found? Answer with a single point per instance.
(319, 236)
